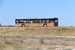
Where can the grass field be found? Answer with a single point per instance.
(29, 38)
(37, 31)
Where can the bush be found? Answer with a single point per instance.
(18, 36)
(10, 42)
(62, 28)
(65, 28)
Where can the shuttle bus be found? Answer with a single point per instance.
(36, 22)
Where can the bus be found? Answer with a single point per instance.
(44, 22)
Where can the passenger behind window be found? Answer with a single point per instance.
(47, 21)
(31, 21)
(40, 21)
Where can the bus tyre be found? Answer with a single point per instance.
(45, 25)
(23, 25)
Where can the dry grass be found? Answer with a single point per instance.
(32, 32)
(37, 31)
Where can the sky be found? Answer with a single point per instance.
(64, 10)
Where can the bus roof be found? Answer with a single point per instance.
(37, 18)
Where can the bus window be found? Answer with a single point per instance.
(39, 21)
(47, 21)
(31, 21)
(56, 20)
(24, 21)
(52, 21)
(20, 21)
(35, 21)
(28, 21)
(43, 21)
(16, 21)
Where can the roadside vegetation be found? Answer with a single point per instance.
(36, 38)
(37, 31)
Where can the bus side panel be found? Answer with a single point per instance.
(33, 24)
(56, 23)
(40, 24)
(50, 24)
(18, 24)
(27, 24)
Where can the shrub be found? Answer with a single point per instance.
(18, 36)
(65, 28)
(62, 28)
(59, 29)
(10, 42)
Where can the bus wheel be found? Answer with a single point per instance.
(23, 25)
(45, 25)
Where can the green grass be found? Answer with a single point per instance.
(29, 28)
(52, 47)
(62, 28)
(56, 28)
(7, 28)
(65, 28)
